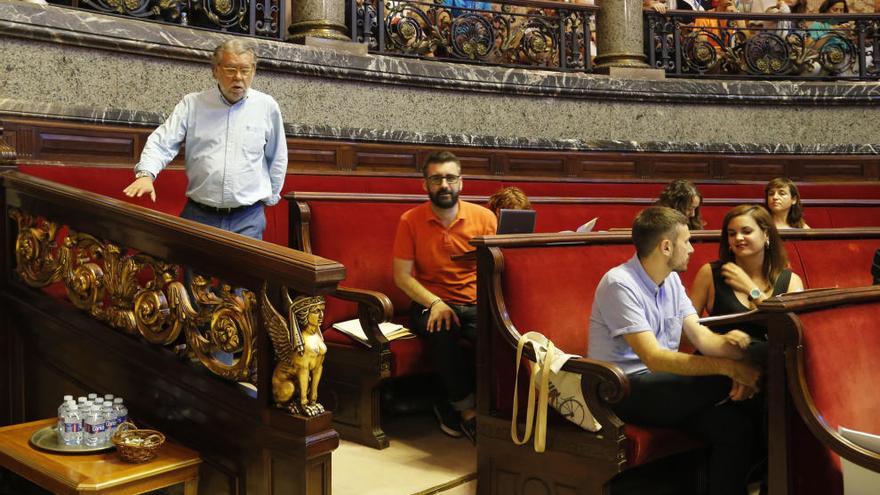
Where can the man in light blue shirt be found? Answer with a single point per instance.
(236, 150)
(639, 313)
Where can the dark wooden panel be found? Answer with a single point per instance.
(592, 167)
(750, 170)
(679, 169)
(51, 143)
(71, 142)
(391, 159)
(311, 156)
(536, 165)
(475, 165)
(835, 170)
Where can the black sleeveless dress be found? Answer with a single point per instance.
(726, 302)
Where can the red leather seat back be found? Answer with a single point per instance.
(835, 263)
(841, 369)
(360, 235)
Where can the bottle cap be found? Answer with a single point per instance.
(108, 397)
(92, 396)
(117, 400)
(68, 397)
(73, 407)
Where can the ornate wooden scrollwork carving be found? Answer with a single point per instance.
(139, 294)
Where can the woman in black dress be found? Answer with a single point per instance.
(752, 265)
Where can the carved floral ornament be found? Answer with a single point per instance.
(139, 294)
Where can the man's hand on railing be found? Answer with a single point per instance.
(660, 7)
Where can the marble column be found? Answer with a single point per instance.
(319, 19)
(619, 34)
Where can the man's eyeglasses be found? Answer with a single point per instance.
(436, 180)
(233, 71)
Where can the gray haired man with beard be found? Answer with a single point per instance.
(443, 291)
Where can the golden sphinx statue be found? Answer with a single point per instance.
(299, 352)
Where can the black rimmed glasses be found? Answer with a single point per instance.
(234, 71)
(436, 180)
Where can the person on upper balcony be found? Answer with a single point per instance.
(820, 30)
(236, 149)
(782, 200)
(443, 290)
(682, 195)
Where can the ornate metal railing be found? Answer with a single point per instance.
(763, 46)
(550, 35)
(261, 18)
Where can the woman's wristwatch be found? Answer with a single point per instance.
(755, 293)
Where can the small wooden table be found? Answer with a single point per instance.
(95, 474)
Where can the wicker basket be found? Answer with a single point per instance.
(135, 445)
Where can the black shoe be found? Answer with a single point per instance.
(448, 419)
(469, 428)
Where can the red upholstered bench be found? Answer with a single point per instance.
(829, 341)
(546, 283)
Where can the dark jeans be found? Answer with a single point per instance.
(250, 221)
(699, 405)
(455, 371)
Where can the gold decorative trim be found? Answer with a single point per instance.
(7, 153)
(139, 294)
(299, 351)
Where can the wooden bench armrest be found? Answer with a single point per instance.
(607, 384)
(374, 307)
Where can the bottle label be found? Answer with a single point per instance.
(120, 420)
(72, 427)
(94, 428)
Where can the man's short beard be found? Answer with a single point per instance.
(443, 203)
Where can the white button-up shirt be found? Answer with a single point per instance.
(236, 154)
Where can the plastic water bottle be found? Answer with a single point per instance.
(108, 398)
(99, 401)
(61, 409)
(81, 400)
(72, 425)
(94, 427)
(109, 421)
(121, 411)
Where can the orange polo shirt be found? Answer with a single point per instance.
(422, 238)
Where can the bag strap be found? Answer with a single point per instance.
(530, 403)
(542, 367)
(543, 397)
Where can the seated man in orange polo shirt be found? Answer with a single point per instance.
(443, 291)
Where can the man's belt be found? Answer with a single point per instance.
(219, 211)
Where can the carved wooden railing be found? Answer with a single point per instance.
(86, 271)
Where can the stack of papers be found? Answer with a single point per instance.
(587, 227)
(391, 331)
(858, 480)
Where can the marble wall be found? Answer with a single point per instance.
(74, 64)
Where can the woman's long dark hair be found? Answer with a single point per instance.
(679, 195)
(827, 4)
(795, 217)
(775, 257)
